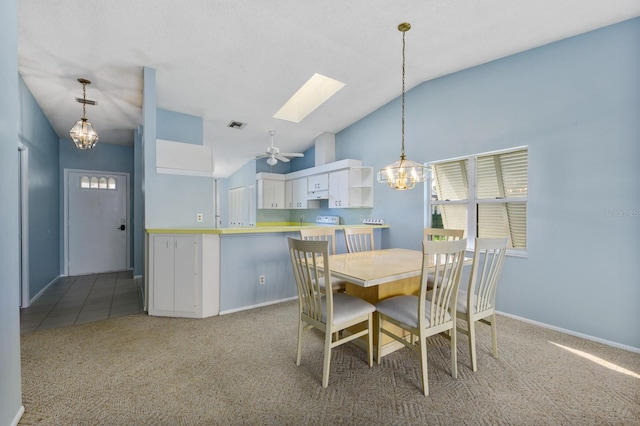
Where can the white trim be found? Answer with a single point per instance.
(480, 154)
(259, 305)
(572, 333)
(34, 298)
(66, 212)
(24, 224)
(18, 416)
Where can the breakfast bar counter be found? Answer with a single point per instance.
(199, 272)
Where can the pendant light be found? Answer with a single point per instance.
(82, 133)
(403, 174)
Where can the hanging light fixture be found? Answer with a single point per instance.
(82, 133)
(403, 174)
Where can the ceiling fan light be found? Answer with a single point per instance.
(83, 134)
(272, 161)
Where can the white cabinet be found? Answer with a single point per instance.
(236, 207)
(296, 195)
(179, 283)
(270, 191)
(174, 280)
(300, 195)
(288, 194)
(351, 187)
(318, 182)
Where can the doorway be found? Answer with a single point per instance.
(96, 222)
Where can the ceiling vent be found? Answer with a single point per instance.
(237, 125)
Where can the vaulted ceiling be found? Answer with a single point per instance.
(240, 60)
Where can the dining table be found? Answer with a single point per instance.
(377, 275)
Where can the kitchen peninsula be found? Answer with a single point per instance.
(197, 273)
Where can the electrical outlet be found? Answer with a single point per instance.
(261, 279)
(361, 218)
(199, 217)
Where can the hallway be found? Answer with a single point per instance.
(82, 299)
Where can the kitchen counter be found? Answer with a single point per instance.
(200, 272)
(260, 229)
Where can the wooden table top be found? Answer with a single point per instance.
(376, 267)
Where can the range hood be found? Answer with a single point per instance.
(318, 195)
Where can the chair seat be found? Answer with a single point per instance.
(461, 305)
(347, 308)
(337, 284)
(405, 310)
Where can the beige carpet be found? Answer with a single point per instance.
(240, 369)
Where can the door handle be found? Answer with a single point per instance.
(121, 227)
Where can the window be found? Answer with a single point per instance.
(484, 194)
(95, 182)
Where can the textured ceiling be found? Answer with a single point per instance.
(242, 59)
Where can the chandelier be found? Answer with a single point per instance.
(82, 133)
(403, 174)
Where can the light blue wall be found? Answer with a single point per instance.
(173, 201)
(103, 157)
(138, 205)
(44, 224)
(269, 257)
(575, 104)
(10, 380)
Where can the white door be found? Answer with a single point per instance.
(97, 225)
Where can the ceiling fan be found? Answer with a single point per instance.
(273, 154)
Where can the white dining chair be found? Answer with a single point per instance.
(441, 234)
(325, 310)
(325, 234)
(359, 239)
(479, 301)
(418, 316)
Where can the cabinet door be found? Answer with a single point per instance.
(163, 273)
(185, 275)
(288, 194)
(318, 182)
(236, 206)
(270, 194)
(339, 189)
(300, 193)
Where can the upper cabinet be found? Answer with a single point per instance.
(344, 183)
(271, 190)
(318, 182)
(352, 187)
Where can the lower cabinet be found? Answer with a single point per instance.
(179, 284)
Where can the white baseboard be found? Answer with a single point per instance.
(41, 292)
(573, 333)
(18, 416)
(259, 305)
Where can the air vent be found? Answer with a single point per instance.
(236, 125)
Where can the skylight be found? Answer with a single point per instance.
(316, 91)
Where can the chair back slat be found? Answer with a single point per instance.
(446, 257)
(359, 239)
(485, 273)
(440, 234)
(309, 260)
(320, 234)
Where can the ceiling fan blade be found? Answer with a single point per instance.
(262, 156)
(282, 158)
(292, 154)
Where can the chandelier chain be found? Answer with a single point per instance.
(84, 97)
(402, 155)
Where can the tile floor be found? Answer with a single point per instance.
(81, 299)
